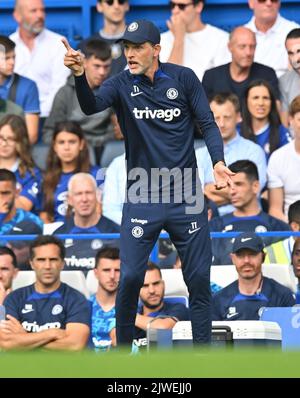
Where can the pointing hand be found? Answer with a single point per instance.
(73, 59)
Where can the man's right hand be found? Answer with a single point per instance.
(73, 59)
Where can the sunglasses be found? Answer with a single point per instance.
(264, 1)
(111, 2)
(181, 6)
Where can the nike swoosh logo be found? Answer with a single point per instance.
(245, 239)
(191, 231)
(231, 315)
(26, 311)
(135, 94)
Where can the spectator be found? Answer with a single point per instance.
(153, 305)
(39, 53)
(235, 76)
(114, 25)
(8, 107)
(68, 155)
(283, 169)
(97, 128)
(280, 252)
(244, 298)
(226, 110)
(49, 313)
(15, 155)
(260, 118)
(87, 218)
(289, 83)
(107, 272)
(270, 29)
(19, 89)
(296, 266)
(190, 42)
(15, 221)
(8, 271)
(247, 215)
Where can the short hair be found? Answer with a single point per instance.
(297, 240)
(7, 175)
(151, 266)
(294, 212)
(111, 253)
(97, 48)
(81, 176)
(247, 167)
(294, 106)
(7, 43)
(43, 240)
(293, 34)
(222, 98)
(7, 251)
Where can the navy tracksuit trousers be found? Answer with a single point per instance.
(141, 226)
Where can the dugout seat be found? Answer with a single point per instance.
(75, 279)
(91, 282)
(174, 283)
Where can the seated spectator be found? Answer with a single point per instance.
(244, 298)
(103, 325)
(15, 155)
(260, 118)
(84, 199)
(283, 169)
(8, 271)
(153, 305)
(296, 266)
(8, 107)
(270, 29)
(97, 128)
(289, 83)
(235, 76)
(39, 52)
(48, 313)
(68, 155)
(247, 215)
(15, 221)
(19, 89)
(190, 42)
(114, 24)
(226, 110)
(280, 252)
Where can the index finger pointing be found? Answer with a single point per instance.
(66, 44)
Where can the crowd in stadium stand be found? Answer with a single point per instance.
(251, 77)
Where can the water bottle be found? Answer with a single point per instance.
(2, 312)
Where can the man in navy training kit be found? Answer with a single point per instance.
(157, 105)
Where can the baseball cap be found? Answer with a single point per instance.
(141, 31)
(248, 240)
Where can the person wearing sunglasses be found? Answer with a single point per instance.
(190, 42)
(271, 30)
(114, 24)
(157, 105)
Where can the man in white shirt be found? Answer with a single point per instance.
(283, 169)
(190, 42)
(289, 83)
(271, 30)
(39, 51)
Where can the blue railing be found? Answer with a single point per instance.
(154, 253)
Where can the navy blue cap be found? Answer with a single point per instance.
(141, 31)
(248, 240)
